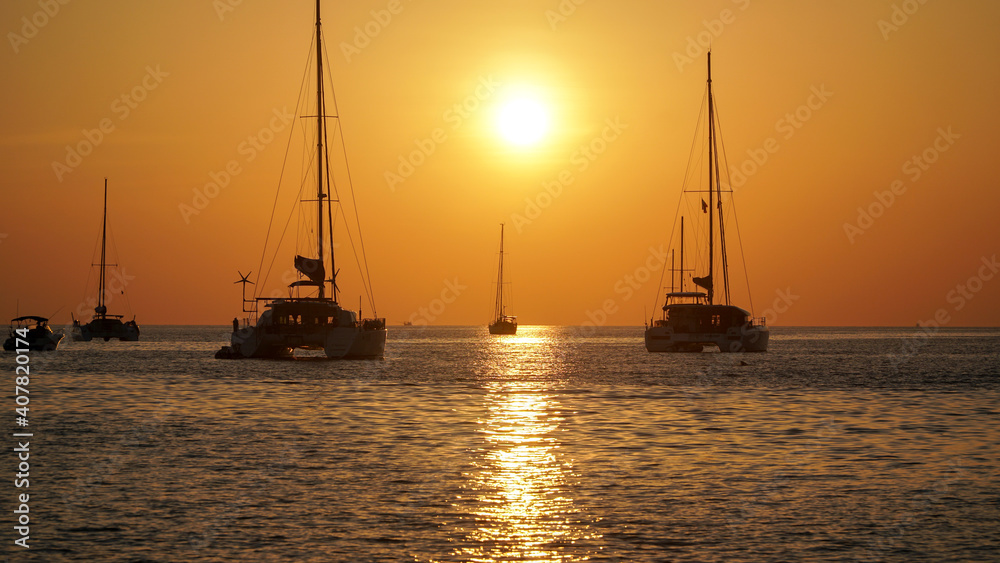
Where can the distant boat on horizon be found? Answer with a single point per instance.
(502, 322)
(692, 320)
(315, 321)
(32, 333)
(103, 325)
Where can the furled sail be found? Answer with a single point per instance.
(311, 268)
(705, 282)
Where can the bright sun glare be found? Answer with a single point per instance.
(523, 121)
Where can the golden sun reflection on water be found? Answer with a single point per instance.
(520, 489)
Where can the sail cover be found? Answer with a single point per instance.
(705, 282)
(311, 267)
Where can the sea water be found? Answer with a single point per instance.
(557, 444)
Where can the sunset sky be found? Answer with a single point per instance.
(841, 97)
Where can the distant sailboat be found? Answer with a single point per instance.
(104, 325)
(502, 323)
(315, 322)
(692, 320)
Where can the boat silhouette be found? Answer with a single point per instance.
(692, 320)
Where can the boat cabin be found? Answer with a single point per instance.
(307, 312)
(689, 312)
(35, 325)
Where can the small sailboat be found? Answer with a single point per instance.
(103, 325)
(316, 320)
(32, 333)
(502, 322)
(692, 320)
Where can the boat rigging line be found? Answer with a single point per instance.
(274, 207)
(333, 197)
(366, 276)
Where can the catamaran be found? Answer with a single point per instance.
(502, 322)
(692, 320)
(310, 317)
(104, 325)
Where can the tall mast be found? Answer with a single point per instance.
(104, 236)
(319, 144)
(682, 253)
(672, 270)
(500, 311)
(722, 223)
(711, 191)
(718, 191)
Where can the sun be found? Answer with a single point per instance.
(523, 121)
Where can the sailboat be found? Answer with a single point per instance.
(104, 325)
(502, 322)
(692, 320)
(316, 321)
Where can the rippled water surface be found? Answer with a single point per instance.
(555, 445)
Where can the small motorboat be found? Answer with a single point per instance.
(32, 333)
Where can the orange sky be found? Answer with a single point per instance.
(210, 78)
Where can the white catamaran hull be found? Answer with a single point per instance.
(336, 342)
(367, 344)
(743, 339)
